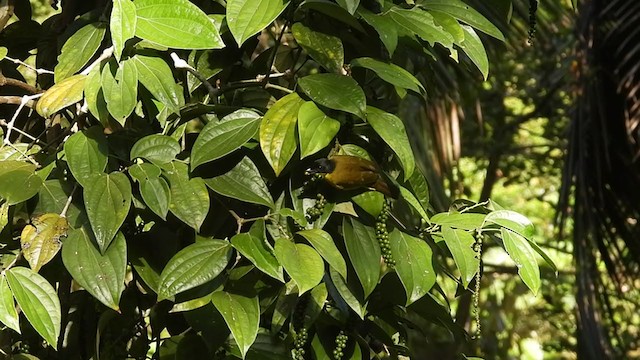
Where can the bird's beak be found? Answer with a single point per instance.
(310, 171)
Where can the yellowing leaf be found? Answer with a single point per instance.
(40, 241)
(61, 95)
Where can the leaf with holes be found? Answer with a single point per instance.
(40, 241)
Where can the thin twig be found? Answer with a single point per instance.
(106, 53)
(181, 64)
(4, 81)
(38, 71)
(63, 213)
(23, 133)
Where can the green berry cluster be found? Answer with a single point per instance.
(313, 213)
(341, 343)
(299, 343)
(383, 235)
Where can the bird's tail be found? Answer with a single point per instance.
(387, 187)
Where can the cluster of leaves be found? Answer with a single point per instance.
(168, 172)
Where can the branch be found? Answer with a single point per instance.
(38, 71)
(16, 100)
(19, 84)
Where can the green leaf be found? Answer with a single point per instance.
(326, 50)
(219, 138)
(194, 265)
(257, 252)
(370, 201)
(411, 200)
(107, 200)
(157, 148)
(175, 24)
(3, 52)
(242, 315)
(245, 18)
(346, 294)
(421, 23)
(391, 73)
(278, 131)
(464, 13)
(392, 131)
(86, 152)
(332, 10)
(364, 252)
(315, 129)
(59, 96)
(122, 24)
(301, 262)
(420, 188)
(120, 89)
(8, 312)
(513, 221)
(102, 275)
(384, 26)
(449, 24)
(38, 301)
(78, 50)
(40, 240)
(414, 264)
(52, 198)
(243, 183)
(154, 189)
(472, 46)
(156, 76)
(349, 5)
(524, 256)
(189, 197)
(18, 181)
(323, 243)
(463, 221)
(321, 88)
(94, 96)
(460, 243)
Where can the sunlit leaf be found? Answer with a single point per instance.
(86, 152)
(153, 188)
(390, 73)
(464, 13)
(315, 129)
(41, 240)
(189, 197)
(102, 275)
(301, 262)
(248, 17)
(107, 198)
(463, 221)
(18, 181)
(242, 315)
(219, 138)
(175, 24)
(472, 46)
(157, 148)
(120, 89)
(460, 243)
(8, 312)
(59, 96)
(79, 49)
(156, 76)
(323, 243)
(413, 264)
(524, 256)
(321, 88)
(38, 301)
(392, 131)
(122, 24)
(326, 50)
(364, 252)
(278, 131)
(194, 265)
(262, 257)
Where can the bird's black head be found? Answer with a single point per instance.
(321, 166)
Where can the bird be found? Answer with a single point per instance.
(346, 172)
